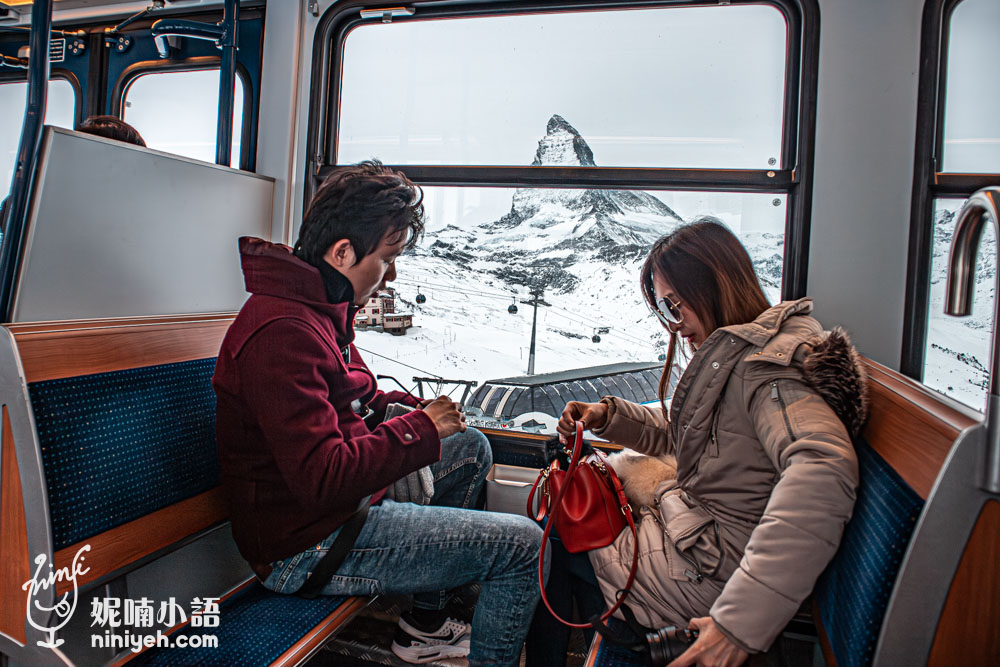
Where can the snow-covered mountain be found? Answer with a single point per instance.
(549, 232)
(582, 248)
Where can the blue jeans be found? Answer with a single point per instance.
(405, 548)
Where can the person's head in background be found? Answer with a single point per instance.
(112, 128)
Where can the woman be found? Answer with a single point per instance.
(766, 473)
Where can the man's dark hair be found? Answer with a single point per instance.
(362, 203)
(112, 128)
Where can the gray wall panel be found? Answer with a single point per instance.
(120, 231)
(867, 106)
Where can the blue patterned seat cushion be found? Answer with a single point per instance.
(854, 591)
(255, 627)
(118, 446)
(610, 654)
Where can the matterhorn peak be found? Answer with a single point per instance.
(563, 145)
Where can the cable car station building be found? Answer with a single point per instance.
(380, 311)
(534, 402)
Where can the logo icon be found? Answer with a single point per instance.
(63, 609)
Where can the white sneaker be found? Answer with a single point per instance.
(415, 645)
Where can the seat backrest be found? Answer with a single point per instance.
(120, 445)
(904, 445)
(854, 590)
(108, 441)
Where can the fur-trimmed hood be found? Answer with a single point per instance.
(786, 336)
(834, 369)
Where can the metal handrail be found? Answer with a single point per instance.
(227, 83)
(225, 36)
(182, 28)
(27, 153)
(960, 291)
(12, 61)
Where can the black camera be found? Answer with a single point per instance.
(667, 644)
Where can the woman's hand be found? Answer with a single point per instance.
(593, 415)
(712, 648)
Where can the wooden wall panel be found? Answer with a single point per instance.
(969, 630)
(16, 568)
(912, 427)
(319, 635)
(127, 543)
(68, 349)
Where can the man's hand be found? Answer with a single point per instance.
(711, 649)
(593, 415)
(446, 416)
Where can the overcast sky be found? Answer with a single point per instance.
(655, 87)
(972, 116)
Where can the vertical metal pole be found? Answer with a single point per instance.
(534, 321)
(227, 84)
(27, 153)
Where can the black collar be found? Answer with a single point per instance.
(338, 287)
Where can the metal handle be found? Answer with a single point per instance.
(960, 291)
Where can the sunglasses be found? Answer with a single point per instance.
(668, 312)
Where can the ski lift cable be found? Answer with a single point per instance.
(449, 288)
(412, 281)
(613, 332)
(569, 314)
(573, 317)
(459, 290)
(397, 361)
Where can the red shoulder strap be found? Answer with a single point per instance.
(626, 510)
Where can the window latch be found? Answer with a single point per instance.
(386, 13)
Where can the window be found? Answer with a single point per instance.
(60, 110)
(950, 354)
(553, 149)
(958, 350)
(176, 112)
(704, 88)
(485, 247)
(971, 121)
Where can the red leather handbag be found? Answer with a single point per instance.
(590, 510)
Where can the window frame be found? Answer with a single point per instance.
(196, 64)
(792, 176)
(55, 73)
(929, 183)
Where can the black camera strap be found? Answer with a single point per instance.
(658, 647)
(635, 642)
(337, 553)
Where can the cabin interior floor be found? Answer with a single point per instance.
(366, 641)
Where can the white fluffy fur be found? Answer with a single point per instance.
(641, 474)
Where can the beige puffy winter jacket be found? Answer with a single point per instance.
(766, 477)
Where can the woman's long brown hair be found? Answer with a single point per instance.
(710, 272)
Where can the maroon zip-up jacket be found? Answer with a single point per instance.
(295, 458)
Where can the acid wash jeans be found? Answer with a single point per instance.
(405, 548)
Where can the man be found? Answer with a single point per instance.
(298, 458)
